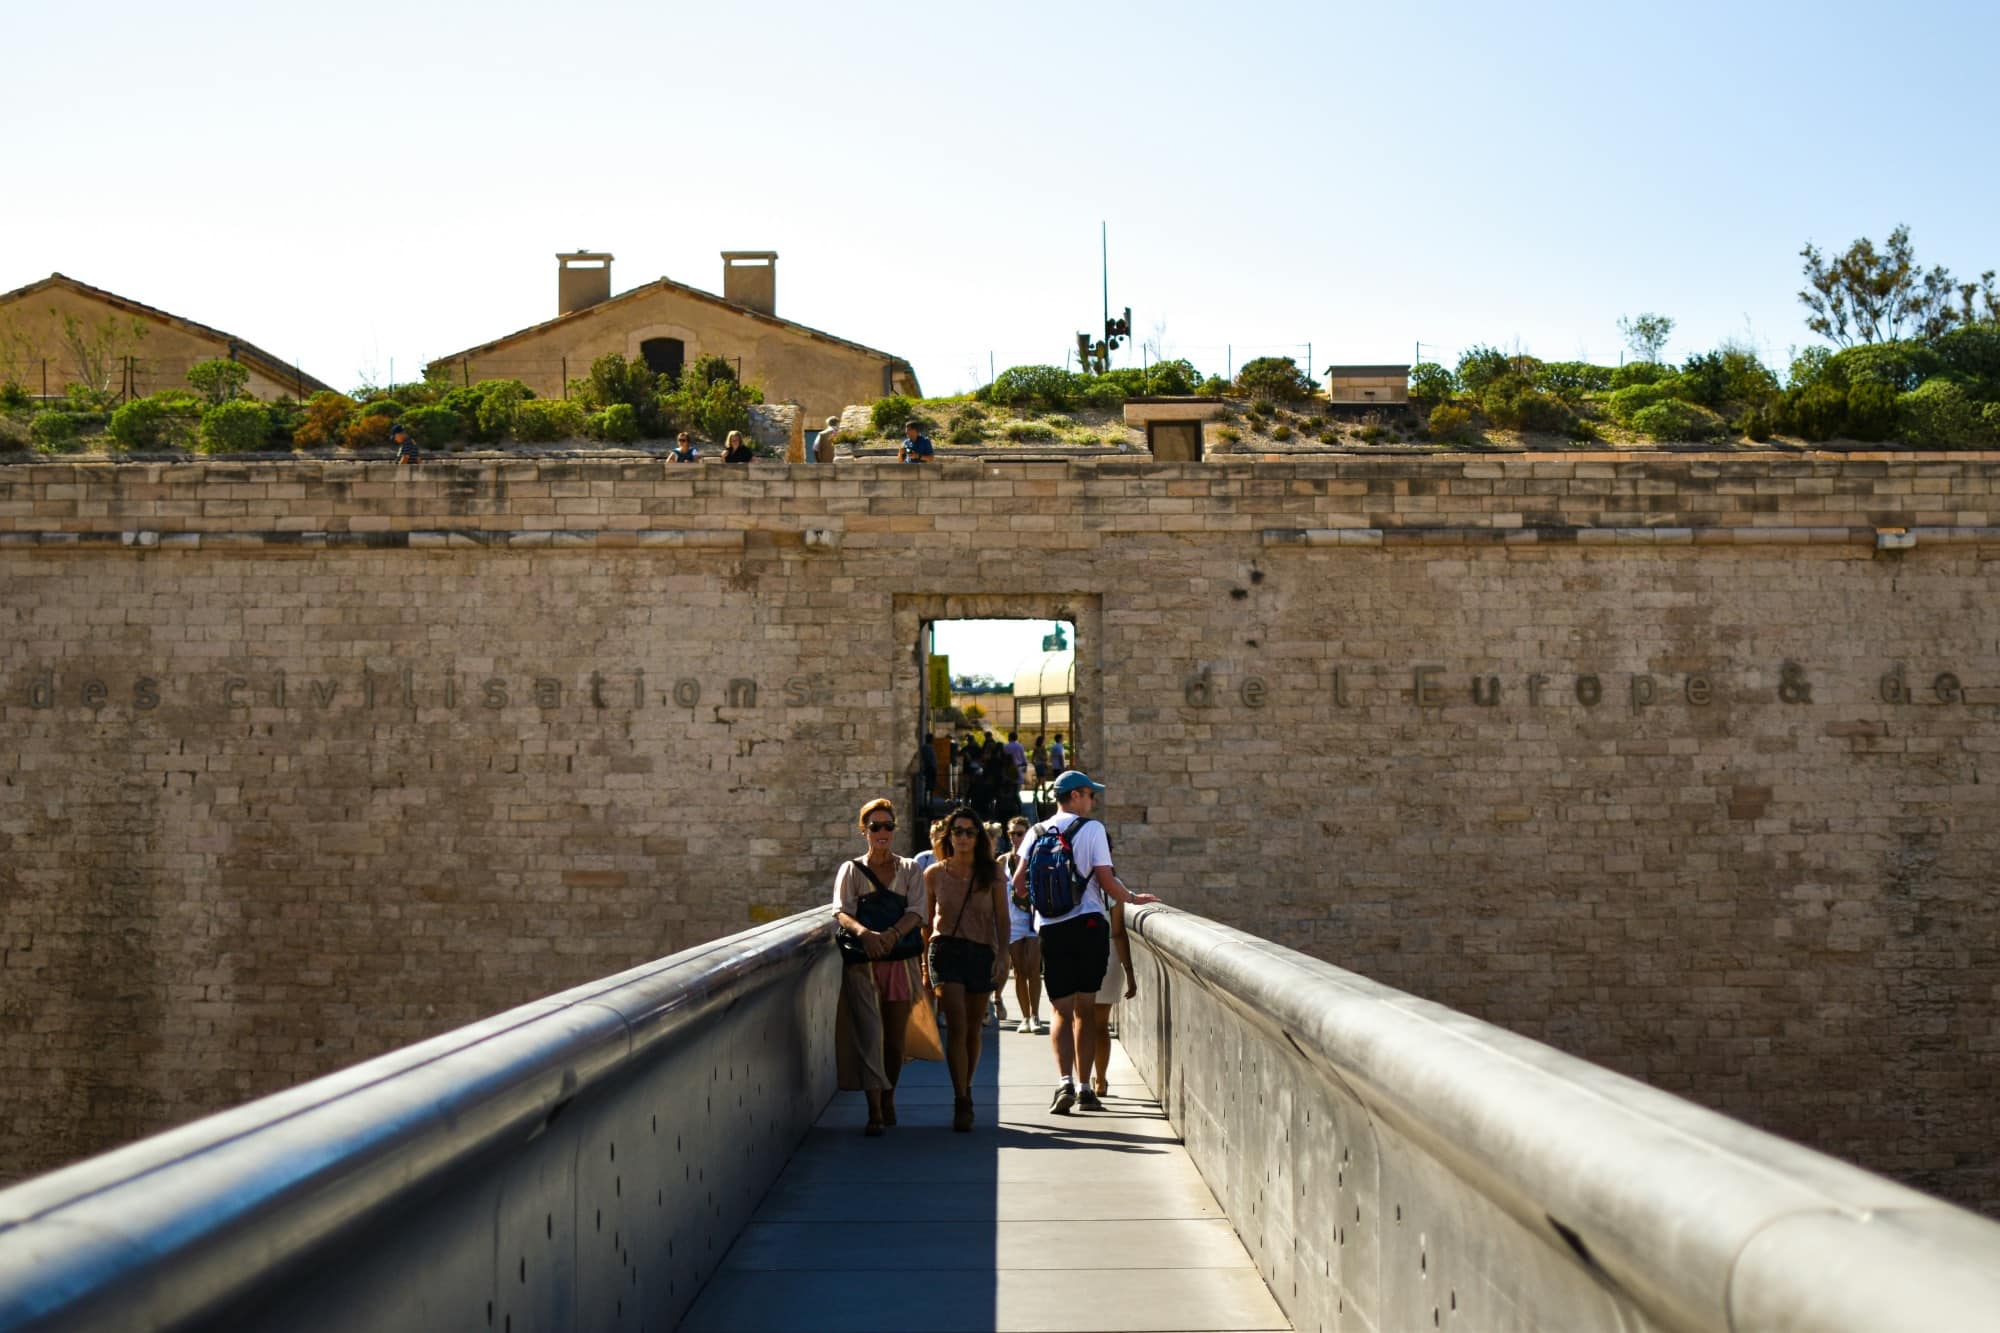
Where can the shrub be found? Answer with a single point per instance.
(1450, 423)
(1100, 390)
(1281, 432)
(613, 379)
(369, 430)
(709, 401)
(1274, 379)
(1329, 437)
(1017, 431)
(57, 431)
(1989, 417)
(286, 415)
(12, 396)
(546, 420)
(1228, 434)
(88, 398)
(1971, 350)
(1902, 366)
(326, 418)
(1213, 387)
(1754, 424)
(1172, 377)
(618, 424)
(1431, 383)
(1639, 372)
(165, 420)
(1810, 367)
(889, 414)
(1673, 419)
(434, 427)
(967, 432)
(1060, 422)
(1871, 411)
(1817, 413)
(1049, 387)
(1939, 414)
(1627, 402)
(218, 381)
(233, 427)
(1514, 403)
(1702, 379)
(1480, 366)
(1569, 380)
(968, 412)
(496, 407)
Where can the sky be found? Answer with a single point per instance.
(366, 188)
(994, 648)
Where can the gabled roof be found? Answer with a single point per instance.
(248, 353)
(681, 289)
(1367, 370)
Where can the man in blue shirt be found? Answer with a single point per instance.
(917, 446)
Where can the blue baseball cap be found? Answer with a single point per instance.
(1073, 780)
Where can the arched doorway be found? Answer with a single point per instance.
(664, 356)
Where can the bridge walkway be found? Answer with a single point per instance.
(1094, 1221)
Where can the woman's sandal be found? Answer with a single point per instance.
(961, 1114)
(873, 1129)
(1103, 1088)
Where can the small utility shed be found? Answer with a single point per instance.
(1364, 385)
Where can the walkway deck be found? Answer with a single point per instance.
(1039, 1222)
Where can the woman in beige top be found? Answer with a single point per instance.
(876, 994)
(967, 959)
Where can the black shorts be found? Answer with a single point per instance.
(956, 961)
(1074, 955)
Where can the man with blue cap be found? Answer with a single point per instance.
(1067, 872)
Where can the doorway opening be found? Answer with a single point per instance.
(664, 356)
(998, 703)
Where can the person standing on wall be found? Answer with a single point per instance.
(967, 959)
(917, 446)
(880, 905)
(823, 446)
(1068, 864)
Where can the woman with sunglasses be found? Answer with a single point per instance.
(967, 960)
(880, 904)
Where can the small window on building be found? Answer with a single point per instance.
(664, 356)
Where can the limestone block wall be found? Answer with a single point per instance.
(1685, 765)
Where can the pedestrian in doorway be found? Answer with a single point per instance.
(823, 446)
(880, 904)
(1058, 757)
(967, 958)
(1017, 753)
(917, 446)
(1068, 860)
(1039, 757)
(1024, 947)
(684, 450)
(735, 450)
(406, 448)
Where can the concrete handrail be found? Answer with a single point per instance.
(183, 1225)
(1632, 1205)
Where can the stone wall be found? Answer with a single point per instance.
(1684, 764)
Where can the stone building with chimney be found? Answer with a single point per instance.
(667, 324)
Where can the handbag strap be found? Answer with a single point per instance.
(861, 864)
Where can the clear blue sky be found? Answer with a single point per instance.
(387, 182)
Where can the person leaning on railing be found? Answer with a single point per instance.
(879, 904)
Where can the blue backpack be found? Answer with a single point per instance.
(1054, 886)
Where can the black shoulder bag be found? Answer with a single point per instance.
(878, 911)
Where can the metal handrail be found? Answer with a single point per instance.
(1700, 1221)
(154, 1234)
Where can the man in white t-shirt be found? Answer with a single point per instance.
(1076, 946)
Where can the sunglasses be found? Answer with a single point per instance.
(965, 832)
(882, 828)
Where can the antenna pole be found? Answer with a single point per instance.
(1104, 256)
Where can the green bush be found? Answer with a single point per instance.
(1281, 432)
(1703, 379)
(1939, 414)
(12, 396)
(1228, 434)
(709, 401)
(1871, 411)
(613, 379)
(616, 424)
(1213, 387)
(1673, 419)
(1480, 366)
(1048, 387)
(367, 430)
(496, 407)
(1274, 379)
(434, 427)
(1099, 391)
(547, 420)
(1817, 412)
(57, 431)
(1018, 431)
(1449, 423)
(233, 427)
(286, 415)
(1639, 372)
(1628, 402)
(218, 381)
(1172, 378)
(165, 420)
(1989, 417)
(889, 414)
(1971, 350)
(1754, 424)
(1431, 383)
(1514, 403)
(1901, 365)
(1569, 380)
(967, 432)
(326, 418)
(1810, 367)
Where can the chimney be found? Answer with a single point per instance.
(750, 278)
(582, 280)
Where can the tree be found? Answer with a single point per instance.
(1865, 295)
(218, 381)
(1646, 334)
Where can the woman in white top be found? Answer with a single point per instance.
(875, 994)
(1119, 983)
(1024, 946)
